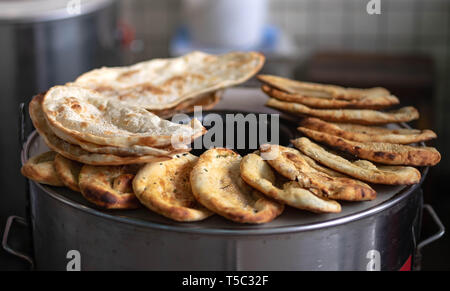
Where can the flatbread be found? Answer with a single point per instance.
(164, 188)
(258, 174)
(366, 102)
(40, 169)
(68, 172)
(206, 103)
(109, 187)
(358, 116)
(217, 184)
(292, 164)
(360, 169)
(74, 152)
(164, 83)
(385, 153)
(323, 90)
(363, 133)
(87, 115)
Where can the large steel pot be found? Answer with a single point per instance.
(69, 233)
(45, 43)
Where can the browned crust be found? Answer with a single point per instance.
(362, 133)
(206, 195)
(361, 169)
(329, 103)
(385, 153)
(291, 164)
(96, 187)
(42, 171)
(68, 172)
(358, 116)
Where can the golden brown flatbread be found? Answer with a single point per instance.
(68, 172)
(360, 169)
(367, 102)
(75, 152)
(323, 90)
(41, 169)
(258, 174)
(384, 153)
(292, 164)
(109, 187)
(164, 187)
(217, 184)
(358, 116)
(363, 133)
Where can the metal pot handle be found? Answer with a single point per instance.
(438, 222)
(9, 249)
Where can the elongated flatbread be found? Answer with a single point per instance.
(360, 169)
(217, 184)
(366, 102)
(74, 152)
(258, 174)
(68, 172)
(164, 187)
(363, 133)
(292, 164)
(385, 153)
(87, 115)
(359, 116)
(41, 169)
(164, 83)
(109, 187)
(322, 90)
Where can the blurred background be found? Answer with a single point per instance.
(405, 48)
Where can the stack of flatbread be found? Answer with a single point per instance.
(350, 120)
(108, 123)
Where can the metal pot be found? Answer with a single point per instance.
(69, 233)
(45, 43)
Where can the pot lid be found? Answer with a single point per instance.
(44, 10)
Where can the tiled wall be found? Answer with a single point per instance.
(410, 26)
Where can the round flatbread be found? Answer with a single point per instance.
(164, 83)
(40, 169)
(74, 152)
(293, 165)
(87, 115)
(257, 173)
(109, 187)
(68, 172)
(217, 184)
(164, 188)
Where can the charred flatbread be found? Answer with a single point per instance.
(293, 165)
(358, 116)
(384, 153)
(75, 152)
(366, 102)
(258, 174)
(109, 187)
(41, 169)
(217, 184)
(360, 169)
(164, 188)
(68, 172)
(164, 83)
(363, 133)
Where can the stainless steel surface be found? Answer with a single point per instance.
(7, 247)
(39, 53)
(22, 11)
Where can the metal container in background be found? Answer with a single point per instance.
(44, 43)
